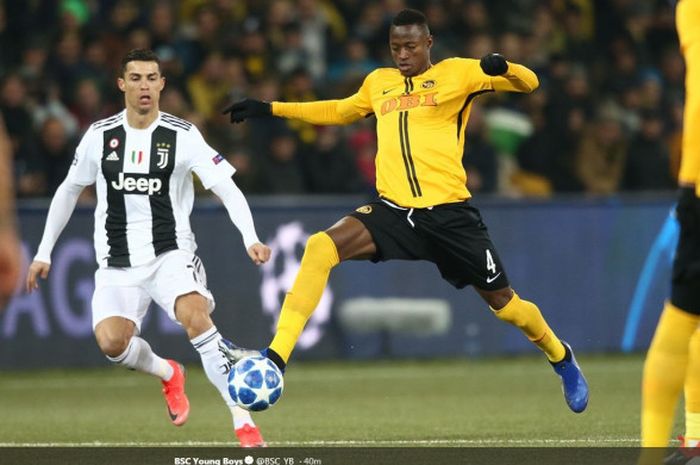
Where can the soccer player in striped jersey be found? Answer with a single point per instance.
(673, 359)
(423, 211)
(142, 161)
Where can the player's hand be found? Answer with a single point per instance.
(36, 269)
(259, 253)
(494, 64)
(10, 264)
(247, 108)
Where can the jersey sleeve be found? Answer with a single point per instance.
(518, 78)
(208, 164)
(83, 170)
(471, 74)
(326, 112)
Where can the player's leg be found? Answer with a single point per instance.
(686, 287)
(692, 393)
(527, 317)
(192, 311)
(347, 239)
(180, 287)
(664, 374)
(667, 360)
(460, 246)
(116, 339)
(117, 315)
(685, 297)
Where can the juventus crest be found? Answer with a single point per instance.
(163, 152)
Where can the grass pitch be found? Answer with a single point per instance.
(461, 403)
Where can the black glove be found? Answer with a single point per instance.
(494, 64)
(247, 108)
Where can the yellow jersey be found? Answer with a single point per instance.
(687, 21)
(421, 123)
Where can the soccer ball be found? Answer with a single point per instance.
(255, 383)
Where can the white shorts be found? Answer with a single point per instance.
(128, 292)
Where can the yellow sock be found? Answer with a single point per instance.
(528, 318)
(692, 392)
(320, 255)
(664, 373)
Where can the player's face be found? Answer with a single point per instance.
(410, 48)
(142, 84)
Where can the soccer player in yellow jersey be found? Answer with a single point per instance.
(423, 211)
(674, 355)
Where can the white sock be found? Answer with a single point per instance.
(241, 417)
(217, 366)
(139, 356)
(215, 363)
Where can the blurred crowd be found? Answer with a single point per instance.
(606, 118)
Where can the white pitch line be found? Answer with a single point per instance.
(348, 443)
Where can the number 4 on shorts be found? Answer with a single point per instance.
(490, 264)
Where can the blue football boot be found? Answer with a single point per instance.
(573, 383)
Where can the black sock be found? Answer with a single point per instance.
(276, 359)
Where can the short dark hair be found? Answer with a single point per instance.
(408, 17)
(139, 54)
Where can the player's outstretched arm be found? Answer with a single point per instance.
(322, 112)
(508, 76)
(60, 211)
(238, 210)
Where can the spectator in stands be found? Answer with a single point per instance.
(208, 88)
(280, 167)
(18, 119)
(363, 143)
(600, 158)
(65, 43)
(247, 174)
(329, 165)
(480, 159)
(647, 165)
(354, 65)
(88, 105)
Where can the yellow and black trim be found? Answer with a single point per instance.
(406, 145)
(467, 101)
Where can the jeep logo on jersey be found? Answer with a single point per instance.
(137, 184)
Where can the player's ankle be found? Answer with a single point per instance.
(275, 358)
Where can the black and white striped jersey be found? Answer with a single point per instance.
(144, 185)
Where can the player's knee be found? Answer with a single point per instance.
(196, 321)
(498, 299)
(192, 311)
(321, 249)
(112, 343)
